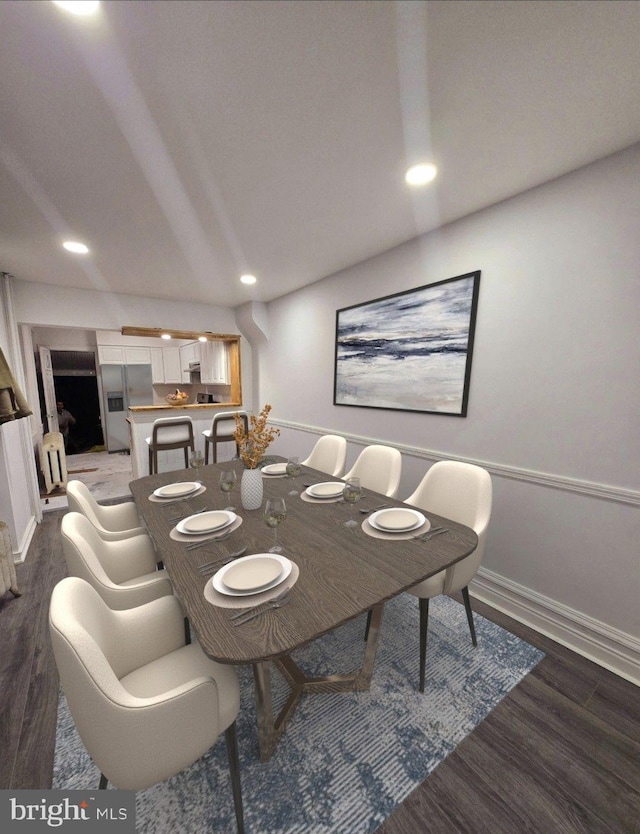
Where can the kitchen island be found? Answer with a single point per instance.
(142, 417)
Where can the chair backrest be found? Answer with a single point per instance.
(462, 492)
(103, 564)
(168, 431)
(328, 455)
(81, 501)
(223, 424)
(379, 469)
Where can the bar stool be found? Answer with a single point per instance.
(170, 433)
(222, 428)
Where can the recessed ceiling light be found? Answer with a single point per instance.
(78, 7)
(421, 174)
(165, 336)
(74, 246)
(248, 279)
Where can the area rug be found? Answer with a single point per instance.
(346, 760)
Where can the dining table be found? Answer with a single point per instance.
(337, 573)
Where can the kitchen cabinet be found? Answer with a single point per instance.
(137, 355)
(214, 363)
(157, 366)
(172, 366)
(188, 354)
(123, 355)
(166, 366)
(111, 355)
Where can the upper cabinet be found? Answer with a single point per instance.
(166, 367)
(137, 355)
(190, 353)
(111, 355)
(157, 366)
(214, 363)
(172, 365)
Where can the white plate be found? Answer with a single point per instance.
(177, 490)
(396, 520)
(275, 469)
(256, 573)
(217, 580)
(327, 489)
(209, 522)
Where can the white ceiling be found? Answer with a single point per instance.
(188, 142)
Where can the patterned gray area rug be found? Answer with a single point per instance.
(346, 760)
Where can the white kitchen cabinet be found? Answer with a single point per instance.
(137, 355)
(214, 363)
(111, 355)
(166, 366)
(157, 366)
(188, 354)
(172, 366)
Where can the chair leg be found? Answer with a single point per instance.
(467, 607)
(424, 621)
(366, 631)
(186, 457)
(234, 768)
(187, 632)
(206, 452)
(103, 782)
(150, 461)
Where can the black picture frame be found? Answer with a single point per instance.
(409, 351)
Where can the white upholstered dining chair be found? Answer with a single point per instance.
(146, 705)
(463, 493)
(114, 522)
(122, 572)
(379, 469)
(328, 455)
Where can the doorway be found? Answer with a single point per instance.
(76, 385)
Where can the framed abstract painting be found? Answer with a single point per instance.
(410, 351)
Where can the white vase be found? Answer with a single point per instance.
(251, 489)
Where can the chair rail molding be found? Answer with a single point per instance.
(609, 647)
(604, 492)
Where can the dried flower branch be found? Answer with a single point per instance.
(254, 443)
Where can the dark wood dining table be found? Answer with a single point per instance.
(343, 573)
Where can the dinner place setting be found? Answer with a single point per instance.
(396, 523)
(176, 492)
(251, 583)
(203, 526)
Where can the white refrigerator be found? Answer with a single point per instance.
(122, 387)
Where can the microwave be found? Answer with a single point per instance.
(204, 398)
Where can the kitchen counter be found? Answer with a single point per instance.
(138, 409)
(141, 418)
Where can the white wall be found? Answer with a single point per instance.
(555, 391)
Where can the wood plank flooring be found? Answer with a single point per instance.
(559, 755)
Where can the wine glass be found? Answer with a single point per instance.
(228, 479)
(293, 470)
(351, 493)
(195, 462)
(275, 512)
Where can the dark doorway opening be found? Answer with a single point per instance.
(76, 385)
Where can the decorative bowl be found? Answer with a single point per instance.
(171, 399)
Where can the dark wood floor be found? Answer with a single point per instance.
(561, 753)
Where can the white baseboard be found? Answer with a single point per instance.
(23, 545)
(609, 647)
